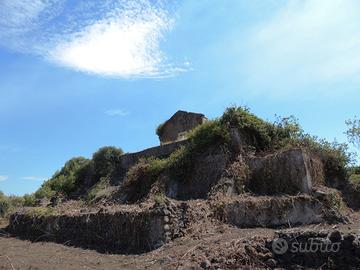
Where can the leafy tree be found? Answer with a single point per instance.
(65, 181)
(353, 134)
(106, 160)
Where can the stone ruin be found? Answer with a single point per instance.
(283, 189)
(176, 128)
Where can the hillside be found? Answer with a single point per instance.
(231, 186)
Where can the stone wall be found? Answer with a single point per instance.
(122, 231)
(119, 232)
(288, 172)
(270, 211)
(176, 128)
(129, 160)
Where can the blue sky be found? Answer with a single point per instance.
(75, 77)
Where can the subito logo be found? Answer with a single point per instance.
(280, 246)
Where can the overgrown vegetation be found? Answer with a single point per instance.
(41, 211)
(239, 171)
(260, 135)
(81, 173)
(353, 134)
(4, 204)
(335, 156)
(89, 176)
(106, 161)
(9, 204)
(65, 181)
(94, 190)
(180, 163)
(160, 129)
(354, 175)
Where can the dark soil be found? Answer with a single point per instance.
(209, 244)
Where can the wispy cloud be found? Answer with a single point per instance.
(33, 178)
(3, 178)
(117, 112)
(307, 40)
(21, 22)
(112, 38)
(17, 15)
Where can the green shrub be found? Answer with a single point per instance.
(106, 160)
(262, 135)
(41, 211)
(355, 179)
(29, 200)
(44, 191)
(159, 198)
(100, 185)
(4, 205)
(211, 133)
(65, 181)
(16, 201)
(146, 167)
(180, 162)
(353, 170)
(335, 156)
(9, 204)
(160, 129)
(139, 179)
(78, 171)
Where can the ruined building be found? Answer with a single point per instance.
(177, 127)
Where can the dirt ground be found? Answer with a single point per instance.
(219, 244)
(20, 254)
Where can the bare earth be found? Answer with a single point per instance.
(216, 243)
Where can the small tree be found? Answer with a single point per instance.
(353, 132)
(106, 160)
(65, 181)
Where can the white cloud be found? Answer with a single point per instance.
(3, 178)
(124, 44)
(308, 40)
(118, 38)
(117, 112)
(33, 178)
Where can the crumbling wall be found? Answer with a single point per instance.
(207, 169)
(119, 232)
(129, 160)
(176, 127)
(287, 172)
(270, 211)
(126, 231)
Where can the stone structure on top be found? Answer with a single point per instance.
(177, 127)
